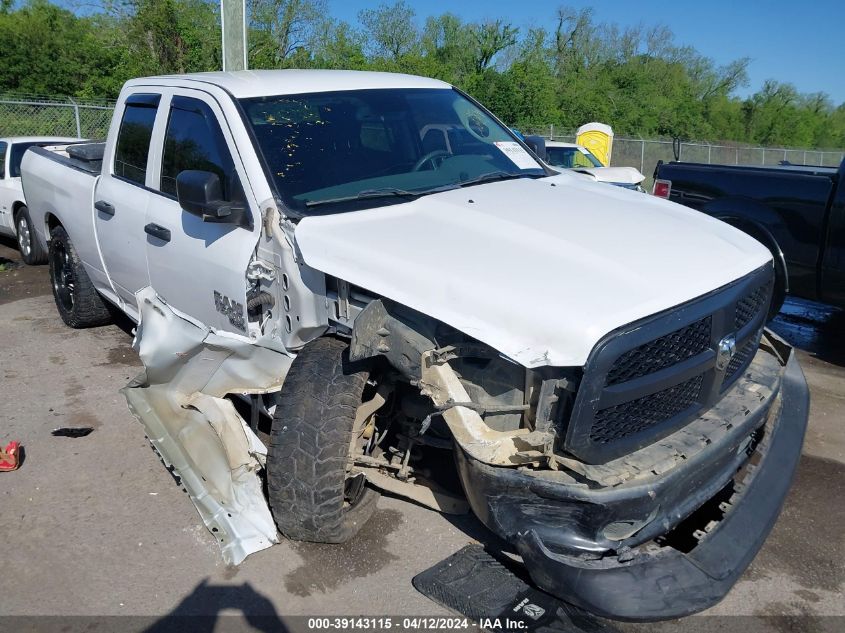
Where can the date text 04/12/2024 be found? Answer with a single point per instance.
(409, 623)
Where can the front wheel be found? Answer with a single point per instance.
(32, 252)
(312, 495)
(78, 302)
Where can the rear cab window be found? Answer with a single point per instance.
(3, 146)
(133, 140)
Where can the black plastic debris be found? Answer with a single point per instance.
(73, 431)
(473, 583)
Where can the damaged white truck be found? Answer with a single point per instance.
(381, 264)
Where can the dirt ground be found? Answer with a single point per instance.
(96, 526)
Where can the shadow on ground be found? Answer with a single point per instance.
(200, 611)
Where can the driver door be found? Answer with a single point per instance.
(195, 266)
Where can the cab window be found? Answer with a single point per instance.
(3, 146)
(193, 140)
(133, 139)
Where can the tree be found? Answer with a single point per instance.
(638, 79)
(490, 39)
(49, 50)
(281, 30)
(390, 30)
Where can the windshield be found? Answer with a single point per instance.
(329, 148)
(571, 157)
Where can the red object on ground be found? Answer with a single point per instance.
(9, 457)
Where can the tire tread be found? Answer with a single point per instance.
(309, 446)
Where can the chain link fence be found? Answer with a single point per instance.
(29, 115)
(22, 115)
(644, 153)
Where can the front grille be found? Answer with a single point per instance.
(638, 415)
(662, 352)
(644, 381)
(749, 306)
(739, 361)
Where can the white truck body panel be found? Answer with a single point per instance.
(531, 279)
(614, 175)
(262, 83)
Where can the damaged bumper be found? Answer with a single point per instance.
(671, 541)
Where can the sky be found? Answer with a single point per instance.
(794, 42)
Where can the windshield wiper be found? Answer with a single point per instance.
(493, 176)
(385, 192)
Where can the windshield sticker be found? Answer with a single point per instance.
(517, 154)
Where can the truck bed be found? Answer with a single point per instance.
(785, 206)
(85, 157)
(58, 181)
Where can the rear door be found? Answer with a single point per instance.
(121, 198)
(199, 267)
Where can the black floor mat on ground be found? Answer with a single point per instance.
(473, 583)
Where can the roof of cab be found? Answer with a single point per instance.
(261, 83)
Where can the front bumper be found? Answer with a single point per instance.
(607, 550)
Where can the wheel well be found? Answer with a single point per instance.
(15, 208)
(52, 222)
(764, 236)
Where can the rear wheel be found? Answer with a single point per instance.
(32, 252)
(312, 494)
(79, 304)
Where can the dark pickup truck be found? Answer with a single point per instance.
(797, 211)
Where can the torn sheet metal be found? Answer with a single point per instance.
(179, 398)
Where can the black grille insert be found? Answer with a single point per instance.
(662, 352)
(648, 379)
(629, 418)
(749, 306)
(739, 361)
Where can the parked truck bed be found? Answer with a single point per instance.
(797, 211)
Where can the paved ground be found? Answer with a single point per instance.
(95, 525)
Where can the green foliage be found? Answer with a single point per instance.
(636, 79)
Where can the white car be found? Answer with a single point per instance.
(377, 257)
(14, 216)
(579, 158)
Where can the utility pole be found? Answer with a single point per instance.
(233, 23)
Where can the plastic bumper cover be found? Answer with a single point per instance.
(654, 582)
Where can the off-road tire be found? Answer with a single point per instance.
(310, 443)
(36, 253)
(79, 304)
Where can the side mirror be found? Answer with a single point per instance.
(199, 193)
(537, 145)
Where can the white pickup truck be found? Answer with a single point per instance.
(384, 265)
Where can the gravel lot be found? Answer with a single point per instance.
(96, 525)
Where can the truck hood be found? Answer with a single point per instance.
(539, 269)
(614, 175)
